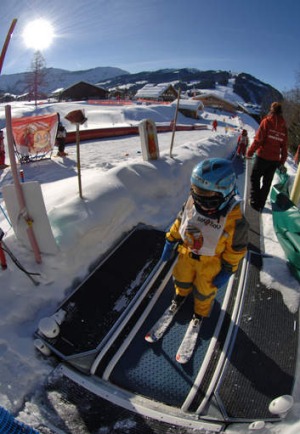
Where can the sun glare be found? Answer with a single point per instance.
(38, 34)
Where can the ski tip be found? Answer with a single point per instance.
(149, 338)
(181, 359)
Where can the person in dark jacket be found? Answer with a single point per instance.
(2, 152)
(61, 139)
(270, 146)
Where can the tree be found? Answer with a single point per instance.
(36, 76)
(291, 107)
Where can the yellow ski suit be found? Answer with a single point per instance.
(219, 243)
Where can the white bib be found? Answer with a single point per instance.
(201, 234)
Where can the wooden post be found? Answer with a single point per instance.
(78, 159)
(77, 117)
(174, 123)
(295, 193)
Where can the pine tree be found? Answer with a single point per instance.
(36, 76)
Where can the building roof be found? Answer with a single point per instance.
(189, 104)
(83, 90)
(84, 84)
(213, 96)
(153, 91)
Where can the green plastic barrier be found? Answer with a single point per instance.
(286, 222)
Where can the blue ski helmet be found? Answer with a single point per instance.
(215, 174)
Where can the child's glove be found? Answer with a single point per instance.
(222, 278)
(167, 252)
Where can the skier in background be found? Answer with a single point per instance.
(215, 125)
(212, 233)
(2, 152)
(242, 144)
(270, 145)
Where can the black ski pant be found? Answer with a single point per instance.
(261, 180)
(61, 145)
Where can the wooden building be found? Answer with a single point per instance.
(214, 101)
(83, 91)
(157, 92)
(189, 107)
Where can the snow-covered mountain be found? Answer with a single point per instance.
(190, 80)
(17, 84)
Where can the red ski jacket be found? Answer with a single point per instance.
(270, 141)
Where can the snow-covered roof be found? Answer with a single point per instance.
(214, 96)
(189, 104)
(59, 90)
(152, 90)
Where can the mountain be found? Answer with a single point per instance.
(249, 88)
(190, 80)
(17, 84)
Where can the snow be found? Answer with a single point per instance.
(120, 190)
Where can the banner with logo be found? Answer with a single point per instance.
(35, 134)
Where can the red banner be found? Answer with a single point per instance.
(35, 134)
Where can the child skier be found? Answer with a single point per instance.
(242, 144)
(212, 233)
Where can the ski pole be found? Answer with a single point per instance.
(5, 215)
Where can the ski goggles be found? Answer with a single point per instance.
(207, 202)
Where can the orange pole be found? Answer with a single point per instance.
(6, 43)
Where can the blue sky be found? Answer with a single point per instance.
(260, 37)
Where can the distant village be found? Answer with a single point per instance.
(189, 105)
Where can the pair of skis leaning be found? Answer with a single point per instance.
(188, 343)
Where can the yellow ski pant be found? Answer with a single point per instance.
(196, 275)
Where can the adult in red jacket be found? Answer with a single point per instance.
(270, 146)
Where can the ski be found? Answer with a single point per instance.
(187, 346)
(162, 324)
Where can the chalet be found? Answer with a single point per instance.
(216, 102)
(56, 93)
(30, 96)
(189, 107)
(7, 97)
(157, 92)
(83, 91)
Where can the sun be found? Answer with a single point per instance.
(38, 34)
